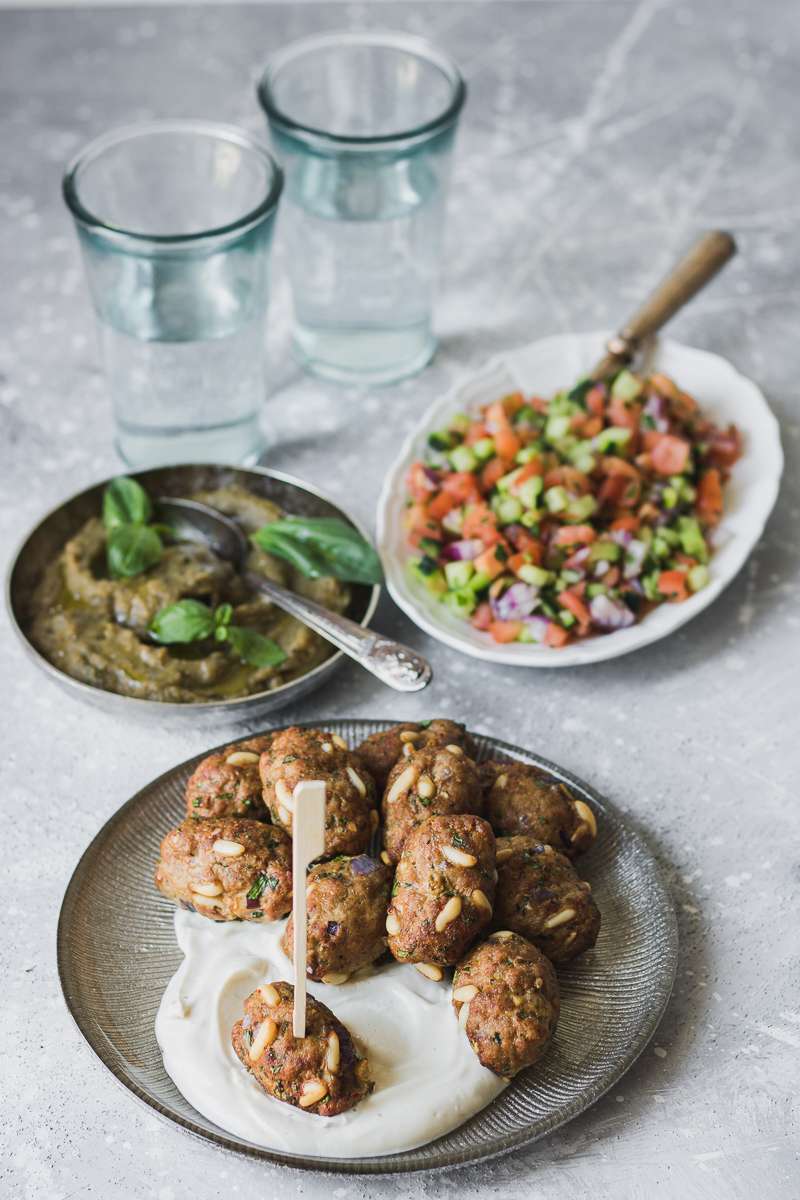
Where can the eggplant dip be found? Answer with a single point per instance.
(99, 629)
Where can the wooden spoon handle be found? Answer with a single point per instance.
(687, 277)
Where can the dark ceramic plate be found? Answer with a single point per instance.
(117, 952)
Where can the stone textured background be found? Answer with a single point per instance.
(599, 138)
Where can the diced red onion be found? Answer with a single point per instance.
(610, 614)
(517, 602)
(431, 475)
(514, 533)
(363, 865)
(537, 627)
(623, 537)
(635, 555)
(657, 408)
(601, 568)
(251, 903)
(577, 561)
(463, 551)
(453, 521)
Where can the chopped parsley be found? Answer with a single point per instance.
(262, 882)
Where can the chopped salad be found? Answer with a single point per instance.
(551, 520)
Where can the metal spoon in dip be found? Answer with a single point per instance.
(396, 665)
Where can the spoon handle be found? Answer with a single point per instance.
(687, 277)
(397, 666)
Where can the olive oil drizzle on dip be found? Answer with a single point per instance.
(94, 628)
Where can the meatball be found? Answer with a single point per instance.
(521, 799)
(227, 784)
(380, 751)
(506, 995)
(227, 869)
(322, 1072)
(541, 897)
(433, 782)
(346, 902)
(298, 754)
(443, 891)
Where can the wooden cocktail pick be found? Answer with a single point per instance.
(308, 842)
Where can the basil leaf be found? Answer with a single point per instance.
(131, 549)
(182, 622)
(125, 502)
(321, 546)
(253, 648)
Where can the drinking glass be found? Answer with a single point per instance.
(175, 220)
(363, 125)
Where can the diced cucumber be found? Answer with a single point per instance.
(670, 497)
(595, 589)
(582, 508)
(479, 581)
(604, 552)
(626, 386)
(462, 602)
(529, 491)
(569, 577)
(458, 574)
(430, 546)
(525, 635)
(505, 481)
(650, 585)
(429, 575)
(441, 439)
(528, 452)
(531, 519)
(566, 618)
(698, 577)
(535, 576)
(462, 458)
(661, 547)
(612, 438)
(691, 538)
(556, 499)
(460, 423)
(557, 428)
(581, 456)
(483, 449)
(508, 509)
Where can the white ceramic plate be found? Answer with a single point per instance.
(542, 368)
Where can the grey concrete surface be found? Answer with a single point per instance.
(598, 139)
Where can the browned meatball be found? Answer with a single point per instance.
(299, 754)
(227, 784)
(346, 900)
(227, 869)
(521, 799)
(443, 891)
(430, 783)
(322, 1072)
(541, 897)
(380, 751)
(506, 995)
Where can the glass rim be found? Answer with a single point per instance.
(123, 133)
(389, 39)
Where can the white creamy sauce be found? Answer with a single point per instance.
(427, 1078)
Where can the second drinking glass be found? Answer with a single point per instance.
(363, 125)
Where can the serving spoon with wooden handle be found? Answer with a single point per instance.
(705, 259)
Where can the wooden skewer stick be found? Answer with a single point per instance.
(308, 842)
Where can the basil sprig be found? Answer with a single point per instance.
(132, 544)
(319, 546)
(192, 621)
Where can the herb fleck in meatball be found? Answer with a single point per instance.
(227, 869)
(227, 784)
(346, 901)
(430, 783)
(443, 891)
(322, 1072)
(506, 995)
(541, 897)
(300, 754)
(380, 751)
(520, 799)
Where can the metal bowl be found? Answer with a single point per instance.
(49, 536)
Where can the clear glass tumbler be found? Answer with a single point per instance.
(175, 221)
(363, 125)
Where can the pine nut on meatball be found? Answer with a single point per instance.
(346, 900)
(322, 1073)
(380, 751)
(227, 784)
(300, 754)
(430, 783)
(443, 891)
(506, 995)
(541, 897)
(227, 869)
(521, 799)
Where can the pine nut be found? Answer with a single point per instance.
(334, 978)
(570, 938)
(373, 819)
(333, 1055)
(585, 886)
(463, 1016)
(385, 857)
(409, 735)
(504, 855)
(502, 936)
(450, 912)
(285, 797)
(454, 749)
(587, 817)
(227, 849)
(392, 924)
(409, 749)
(481, 900)
(242, 758)
(500, 782)
(463, 995)
(459, 858)
(404, 780)
(338, 741)
(284, 815)
(516, 1001)
(430, 971)
(267, 1032)
(425, 787)
(559, 918)
(201, 901)
(207, 889)
(327, 747)
(269, 995)
(310, 890)
(357, 782)
(312, 1091)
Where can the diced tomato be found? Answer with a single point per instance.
(625, 415)
(673, 585)
(430, 529)
(596, 400)
(556, 636)
(494, 470)
(441, 505)
(496, 416)
(525, 543)
(725, 446)
(482, 617)
(526, 472)
(669, 455)
(521, 559)
(611, 577)
(420, 486)
(507, 443)
(591, 427)
(573, 535)
(505, 631)
(491, 563)
(414, 515)
(573, 603)
(570, 478)
(513, 402)
(685, 560)
(709, 497)
(630, 524)
(462, 485)
(475, 433)
(480, 522)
